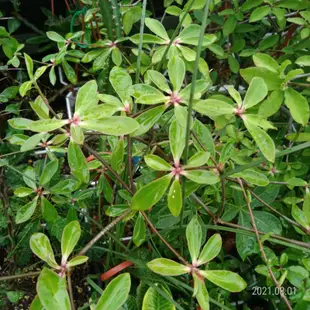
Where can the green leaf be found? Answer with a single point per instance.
(156, 27)
(52, 76)
(298, 106)
(303, 61)
(262, 139)
(25, 212)
(256, 92)
(211, 249)
(259, 13)
(117, 157)
(40, 108)
(116, 56)
(203, 134)
(70, 237)
(176, 71)
(272, 104)
(233, 64)
(147, 120)
(77, 163)
(48, 210)
(32, 142)
(227, 280)
(150, 194)
(159, 80)
(147, 38)
(306, 207)
(265, 61)
(29, 65)
(102, 111)
(40, 245)
(202, 294)
(188, 54)
(152, 300)
(78, 260)
(115, 294)
(194, 238)
(52, 291)
(213, 107)
(29, 177)
(253, 177)
(48, 172)
(86, 98)
(267, 222)
(157, 163)
(167, 267)
(23, 89)
(77, 134)
(23, 191)
(47, 125)
(139, 231)
(177, 140)
(69, 72)
(147, 94)
(175, 198)
(113, 125)
(101, 61)
(271, 79)
(202, 177)
(229, 25)
(36, 304)
(235, 95)
(300, 217)
(54, 36)
(121, 82)
(20, 123)
(197, 160)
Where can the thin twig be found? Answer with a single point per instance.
(70, 290)
(261, 247)
(19, 276)
(45, 99)
(212, 215)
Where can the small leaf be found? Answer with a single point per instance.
(176, 71)
(40, 108)
(298, 106)
(211, 249)
(117, 157)
(202, 177)
(259, 13)
(177, 140)
(48, 172)
(256, 92)
(159, 80)
(272, 104)
(197, 160)
(52, 291)
(25, 212)
(23, 89)
(229, 25)
(263, 140)
(147, 94)
(202, 294)
(156, 27)
(157, 163)
(167, 267)
(300, 217)
(235, 95)
(47, 125)
(20, 123)
(113, 125)
(227, 280)
(121, 82)
(213, 107)
(86, 98)
(70, 237)
(77, 134)
(303, 61)
(78, 260)
(29, 177)
(139, 231)
(150, 194)
(32, 142)
(69, 72)
(48, 211)
(265, 61)
(40, 245)
(155, 301)
(194, 238)
(29, 65)
(175, 198)
(54, 36)
(115, 294)
(52, 76)
(253, 177)
(23, 191)
(77, 163)
(204, 136)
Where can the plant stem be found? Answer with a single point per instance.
(70, 290)
(129, 163)
(261, 247)
(19, 276)
(212, 215)
(183, 260)
(117, 176)
(103, 232)
(223, 188)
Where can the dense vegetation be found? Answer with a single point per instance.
(155, 155)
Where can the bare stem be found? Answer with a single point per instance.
(19, 276)
(70, 290)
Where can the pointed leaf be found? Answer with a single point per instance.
(235, 95)
(121, 82)
(211, 249)
(259, 13)
(52, 291)
(40, 245)
(197, 160)
(156, 27)
(70, 237)
(139, 231)
(78, 260)
(159, 80)
(150, 194)
(47, 125)
(20, 123)
(157, 163)
(48, 172)
(300, 217)
(265, 61)
(117, 157)
(40, 108)
(29, 65)
(227, 280)
(115, 294)
(167, 267)
(32, 142)
(177, 140)
(204, 136)
(147, 94)
(23, 191)
(256, 92)
(263, 140)
(202, 177)
(77, 163)
(25, 212)
(113, 125)
(175, 198)
(54, 36)
(253, 177)
(48, 210)
(213, 107)
(29, 177)
(194, 239)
